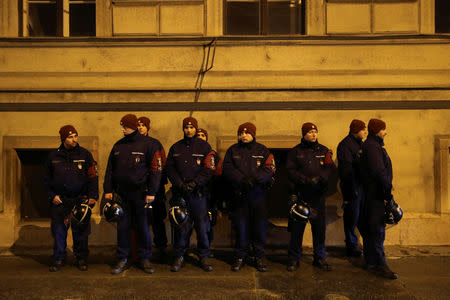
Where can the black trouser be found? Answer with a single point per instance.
(158, 225)
(199, 220)
(318, 228)
(250, 222)
(352, 208)
(134, 201)
(60, 226)
(373, 227)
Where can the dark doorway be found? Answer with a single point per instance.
(277, 198)
(442, 16)
(33, 203)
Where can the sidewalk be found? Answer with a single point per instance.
(424, 274)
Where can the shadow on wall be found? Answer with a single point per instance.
(34, 242)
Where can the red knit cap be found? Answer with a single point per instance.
(190, 121)
(375, 125)
(129, 121)
(307, 127)
(356, 126)
(145, 121)
(204, 131)
(248, 127)
(67, 130)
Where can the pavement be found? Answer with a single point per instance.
(424, 273)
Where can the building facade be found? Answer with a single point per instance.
(276, 63)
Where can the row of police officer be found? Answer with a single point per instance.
(134, 173)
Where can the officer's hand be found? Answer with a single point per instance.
(149, 199)
(91, 202)
(191, 185)
(56, 200)
(315, 180)
(108, 196)
(292, 200)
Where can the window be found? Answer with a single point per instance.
(264, 17)
(57, 17)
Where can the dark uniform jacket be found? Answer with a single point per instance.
(190, 159)
(248, 161)
(376, 168)
(309, 166)
(348, 154)
(71, 173)
(135, 160)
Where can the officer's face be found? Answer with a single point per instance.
(311, 136)
(382, 134)
(202, 136)
(71, 141)
(142, 128)
(126, 130)
(189, 131)
(245, 137)
(362, 134)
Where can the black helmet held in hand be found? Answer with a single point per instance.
(113, 212)
(393, 212)
(178, 216)
(80, 216)
(299, 212)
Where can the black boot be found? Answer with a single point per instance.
(261, 265)
(385, 272)
(322, 264)
(238, 264)
(81, 264)
(120, 266)
(177, 264)
(293, 265)
(206, 264)
(146, 266)
(56, 265)
(353, 251)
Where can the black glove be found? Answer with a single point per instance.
(191, 185)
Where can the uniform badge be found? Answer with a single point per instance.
(199, 161)
(159, 162)
(137, 159)
(258, 163)
(321, 162)
(213, 164)
(80, 166)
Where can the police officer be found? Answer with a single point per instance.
(134, 173)
(249, 167)
(309, 165)
(159, 205)
(190, 166)
(213, 185)
(376, 168)
(70, 172)
(348, 154)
